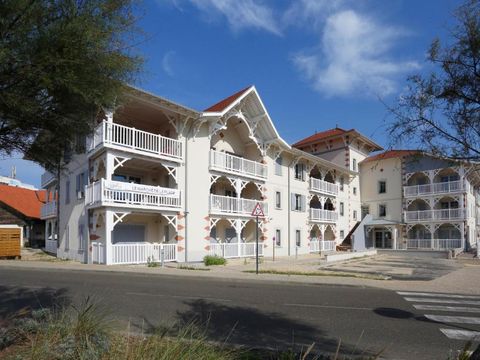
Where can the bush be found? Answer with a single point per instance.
(214, 260)
(151, 262)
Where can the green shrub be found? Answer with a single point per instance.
(151, 262)
(214, 260)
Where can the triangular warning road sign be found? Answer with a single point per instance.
(258, 211)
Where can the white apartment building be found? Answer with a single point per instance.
(160, 180)
(416, 201)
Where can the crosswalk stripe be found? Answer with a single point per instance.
(443, 301)
(461, 334)
(447, 308)
(454, 319)
(453, 296)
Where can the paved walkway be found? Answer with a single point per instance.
(405, 273)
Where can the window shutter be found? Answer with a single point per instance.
(292, 201)
(303, 202)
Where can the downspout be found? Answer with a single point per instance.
(289, 207)
(186, 212)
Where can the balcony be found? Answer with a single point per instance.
(236, 206)
(435, 188)
(436, 244)
(322, 245)
(47, 179)
(48, 210)
(232, 164)
(434, 215)
(320, 215)
(136, 196)
(236, 250)
(323, 187)
(136, 141)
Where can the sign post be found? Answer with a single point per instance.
(257, 212)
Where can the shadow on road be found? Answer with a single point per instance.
(253, 328)
(18, 300)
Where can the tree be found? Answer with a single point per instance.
(61, 63)
(440, 113)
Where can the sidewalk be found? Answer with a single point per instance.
(463, 278)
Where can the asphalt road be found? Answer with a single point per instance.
(253, 313)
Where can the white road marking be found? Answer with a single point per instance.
(329, 307)
(453, 296)
(447, 308)
(443, 301)
(461, 334)
(454, 319)
(178, 296)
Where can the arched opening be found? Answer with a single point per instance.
(249, 232)
(235, 140)
(328, 205)
(251, 191)
(315, 203)
(139, 171)
(419, 231)
(418, 205)
(447, 231)
(223, 232)
(446, 202)
(315, 233)
(329, 177)
(315, 173)
(329, 234)
(446, 175)
(144, 227)
(222, 186)
(418, 178)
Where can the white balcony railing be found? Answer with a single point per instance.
(130, 139)
(48, 210)
(98, 252)
(46, 179)
(235, 250)
(142, 252)
(233, 205)
(222, 161)
(434, 215)
(107, 192)
(436, 244)
(434, 188)
(322, 245)
(324, 187)
(323, 215)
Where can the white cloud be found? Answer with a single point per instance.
(167, 63)
(353, 57)
(241, 14)
(310, 12)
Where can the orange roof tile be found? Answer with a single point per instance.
(25, 201)
(391, 154)
(223, 104)
(321, 135)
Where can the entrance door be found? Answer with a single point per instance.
(383, 239)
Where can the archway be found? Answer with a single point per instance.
(251, 191)
(328, 205)
(223, 232)
(329, 234)
(419, 178)
(315, 203)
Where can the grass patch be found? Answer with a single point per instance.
(186, 267)
(151, 262)
(319, 273)
(210, 260)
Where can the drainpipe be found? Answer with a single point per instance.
(186, 199)
(289, 207)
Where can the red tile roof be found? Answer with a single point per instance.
(322, 135)
(223, 104)
(25, 201)
(390, 154)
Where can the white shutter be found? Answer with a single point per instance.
(292, 201)
(304, 203)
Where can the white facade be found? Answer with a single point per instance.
(159, 178)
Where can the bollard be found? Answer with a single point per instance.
(296, 252)
(162, 256)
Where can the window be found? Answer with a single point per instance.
(127, 178)
(278, 166)
(342, 209)
(298, 238)
(382, 187)
(125, 233)
(298, 202)
(342, 181)
(382, 210)
(278, 237)
(300, 172)
(354, 214)
(354, 190)
(342, 234)
(278, 200)
(81, 237)
(354, 164)
(81, 181)
(67, 192)
(365, 210)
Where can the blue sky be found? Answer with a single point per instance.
(315, 63)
